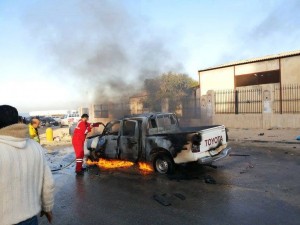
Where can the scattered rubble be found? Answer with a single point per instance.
(249, 166)
(57, 139)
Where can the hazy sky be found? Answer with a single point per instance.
(58, 54)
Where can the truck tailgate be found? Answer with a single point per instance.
(212, 138)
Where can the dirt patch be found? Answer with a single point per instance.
(61, 138)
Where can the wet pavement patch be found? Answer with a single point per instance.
(239, 155)
(182, 176)
(166, 199)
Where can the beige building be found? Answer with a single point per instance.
(256, 93)
(281, 68)
(136, 103)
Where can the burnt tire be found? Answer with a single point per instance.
(163, 164)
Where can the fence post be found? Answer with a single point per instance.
(236, 101)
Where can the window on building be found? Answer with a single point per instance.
(268, 77)
(101, 111)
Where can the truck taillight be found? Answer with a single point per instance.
(195, 148)
(196, 141)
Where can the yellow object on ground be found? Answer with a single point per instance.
(49, 134)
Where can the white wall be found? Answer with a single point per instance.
(290, 70)
(218, 79)
(257, 67)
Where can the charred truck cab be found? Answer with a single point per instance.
(158, 138)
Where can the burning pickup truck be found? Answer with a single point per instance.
(158, 138)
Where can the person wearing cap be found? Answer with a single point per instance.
(80, 132)
(26, 182)
(33, 129)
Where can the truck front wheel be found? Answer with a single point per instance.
(163, 164)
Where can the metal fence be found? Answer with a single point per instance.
(225, 101)
(287, 99)
(242, 100)
(191, 108)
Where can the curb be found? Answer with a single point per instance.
(261, 141)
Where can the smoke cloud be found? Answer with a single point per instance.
(108, 50)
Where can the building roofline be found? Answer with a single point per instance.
(259, 59)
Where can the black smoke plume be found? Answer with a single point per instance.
(109, 51)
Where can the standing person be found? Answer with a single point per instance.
(80, 132)
(33, 129)
(26, 182)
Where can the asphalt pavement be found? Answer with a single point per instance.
(254, 185)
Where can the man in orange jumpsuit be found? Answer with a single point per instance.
(80, 132)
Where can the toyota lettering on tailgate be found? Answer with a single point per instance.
(214, 140)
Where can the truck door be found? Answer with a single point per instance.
(111, 148)
(129, 140)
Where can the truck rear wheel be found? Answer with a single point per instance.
(163, 164)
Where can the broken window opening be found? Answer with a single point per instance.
(114, 129)
(152, 123)
(129, 128)
(267, 77)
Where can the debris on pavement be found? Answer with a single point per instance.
(249, 166)
(162, 199)
(209, 179)
(60, 159)
(57, 139)
(271, 135)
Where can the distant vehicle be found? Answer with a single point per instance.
(69, 119)
(58, 119)
(27, 120)
(48, 122)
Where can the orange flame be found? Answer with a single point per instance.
(145, 168)
(111, 164)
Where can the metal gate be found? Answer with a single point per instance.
(241, 100)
